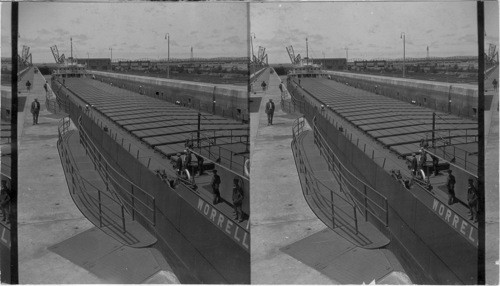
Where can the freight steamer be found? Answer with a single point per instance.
(134, 141)
(367, 142)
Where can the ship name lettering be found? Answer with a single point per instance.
(206, 209)
(244, 240)
(220, 221)
(470, 235)
(457, 223)
(4, 239)
(462, 228)
(212, 215)
(229, 224)
(441, 209)
(235, 235)
(448, 215)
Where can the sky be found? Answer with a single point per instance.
(134, 30)
(367, 29)
(5, 30)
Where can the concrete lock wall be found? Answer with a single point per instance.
(231, 101)
(183, 232)
(434, 95)
(416, 232)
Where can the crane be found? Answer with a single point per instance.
(25, 55)
(294, 59)
(261, 56)
(55, 52)
(492, 53)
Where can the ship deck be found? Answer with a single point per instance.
(388, 130)
(160, 124)
(398, 125)
(153, 131)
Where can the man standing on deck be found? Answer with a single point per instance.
(414, 164)
(238, 200)
(450, 184)
(187, 161)
(35, 110)
(472, 200)
(215, 187)
(270, 112)
(5, 201)
(178, 164)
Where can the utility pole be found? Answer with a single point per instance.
(307, 52)
(111, 60)
(71, 43)
(251, 44)
(167, 36)
(346, 57)
(433, 127)
(199, 128)
(403, 36)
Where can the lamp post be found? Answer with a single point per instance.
(307, 52)
(403, 36)
(251, 44)
(346, 57)
(88, 59)
(111, 61)
(167, 37)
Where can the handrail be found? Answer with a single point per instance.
(103, 167)
(59, 93)
(62, 130)
(297, 129)
(212, 144)
(322, 143)
(345, 123)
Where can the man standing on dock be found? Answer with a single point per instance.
(238, 200)
(35, 110)
(215, 187)
(4, 200)
(472, 200)
(270, 112)
(28, 85)
(450, 184)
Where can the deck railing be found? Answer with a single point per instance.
(338, 216)
(78, 183)
(145, 206)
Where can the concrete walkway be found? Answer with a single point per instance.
(280, 214)
(57, 243)
(491, 186)
(46, 212)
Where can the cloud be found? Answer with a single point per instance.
(233, 40)
(81, 37)
(43, 31)
(468, 38)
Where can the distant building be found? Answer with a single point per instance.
(331, 63)
(96, 63)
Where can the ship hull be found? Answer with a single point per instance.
(202, 251)
(434, 244)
